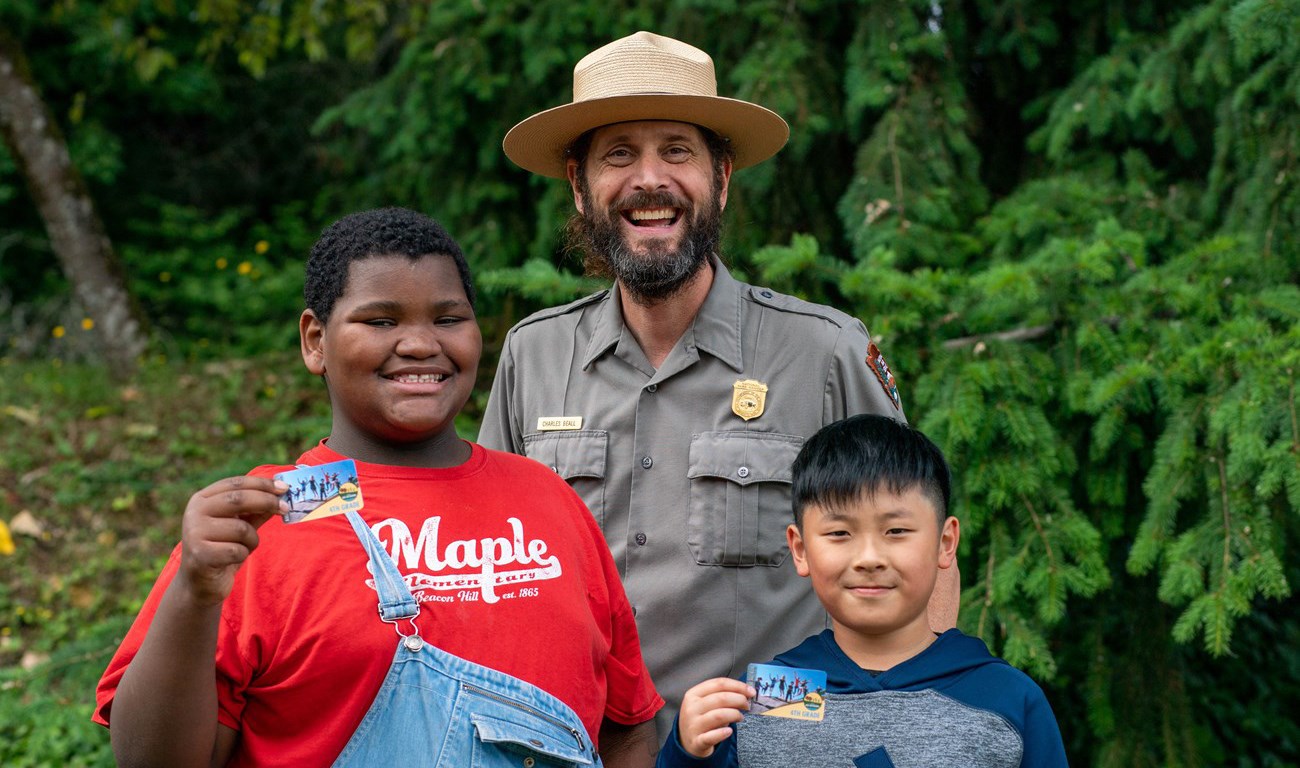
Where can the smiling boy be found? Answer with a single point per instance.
(420, 630)
(871, 531)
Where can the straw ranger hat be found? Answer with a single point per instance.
(644, 77)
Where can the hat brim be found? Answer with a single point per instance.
(538, 143)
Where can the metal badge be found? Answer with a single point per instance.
(748, 398)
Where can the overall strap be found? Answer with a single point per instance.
(395, 599)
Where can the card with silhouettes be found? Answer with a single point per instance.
(321, 491)
(799, 694)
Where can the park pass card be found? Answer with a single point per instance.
(321, 491)
(799, 694)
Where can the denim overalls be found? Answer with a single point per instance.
(435, 709)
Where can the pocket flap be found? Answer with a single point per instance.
(743, 457)
(529, 735)
(570, 454)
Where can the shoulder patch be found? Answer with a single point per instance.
(785, 303)
(876, 362)
(563, 309)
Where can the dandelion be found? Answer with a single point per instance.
(262, 247)
(164, 277)
(58, 332)
(87, 323)
(245, 267)
(222, 263)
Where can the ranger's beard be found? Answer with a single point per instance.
(658, 272)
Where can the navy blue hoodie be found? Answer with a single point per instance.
(953, 704)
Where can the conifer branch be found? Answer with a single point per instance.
(1015, 334)
(1227, 522)
(898, 172)
(1038, 526)
(1268, 236)
(1295, 429)
(988, 595)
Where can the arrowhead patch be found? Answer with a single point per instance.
(876, 362)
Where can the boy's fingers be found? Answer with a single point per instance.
(726, 701)
(233, 530)
(719, 684)
(243, 495)
(715, 737)
(221, 554)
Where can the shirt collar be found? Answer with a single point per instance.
(716, 330)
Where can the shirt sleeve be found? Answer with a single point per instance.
(674, 756)
(1043, 745)
(860, 380)
(497, 431)
(107, 688)
(230, 669)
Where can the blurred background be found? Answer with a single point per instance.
(1071, 228)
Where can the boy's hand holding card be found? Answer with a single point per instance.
(799, 694)
(321, 491)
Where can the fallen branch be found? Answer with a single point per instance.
(1015, 334)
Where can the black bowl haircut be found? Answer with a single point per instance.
(855, 458)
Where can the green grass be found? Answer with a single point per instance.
(106, 471)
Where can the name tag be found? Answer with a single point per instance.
(554, 423)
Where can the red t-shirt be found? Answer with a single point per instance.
(301, 651)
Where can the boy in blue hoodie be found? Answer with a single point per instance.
(871, 530)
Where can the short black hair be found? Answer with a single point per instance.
(378, 232)
(861, 455)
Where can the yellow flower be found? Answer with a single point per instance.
(58, 332)
(245, 267)
(262, 246)
(221, 263)
(6, 548)
(164, 277)
(87, 323)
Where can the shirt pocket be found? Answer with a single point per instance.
(740, 497)
(578, 456)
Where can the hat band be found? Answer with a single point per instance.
(643, 72)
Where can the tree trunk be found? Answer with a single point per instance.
(76, 233)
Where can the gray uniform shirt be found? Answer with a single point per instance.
(694, 499)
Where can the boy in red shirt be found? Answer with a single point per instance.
(502, 629)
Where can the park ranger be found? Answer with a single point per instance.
(675, 401)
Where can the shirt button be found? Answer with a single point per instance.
(743, 472)
(555, 469)
(529, 762)
(640, 539)
(765, 294)
(634, 610)
(647, 462)
(652, 388)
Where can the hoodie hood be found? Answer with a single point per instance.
(937, 667)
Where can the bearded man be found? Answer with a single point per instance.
(675, 401)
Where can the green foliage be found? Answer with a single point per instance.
(1108, 352)
(45, 712)
(106, 471)
(221, 285)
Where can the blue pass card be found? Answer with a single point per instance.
(799, 694)
(321, 491)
